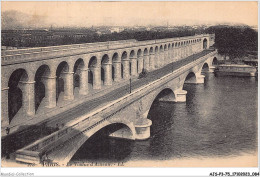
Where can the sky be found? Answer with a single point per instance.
(83, 14)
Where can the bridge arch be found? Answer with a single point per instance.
(132, 54)
(125, 65)
(40, 89)
(151, 58)
(165, 47)
(133, 63)
(165, 94)
(156, 49)
(190, 77)
(62, 80)
(116, 67)
(106, 68)
(145, 51)
(214, 61)
(92, 65)
(124, 56)
(16, 93)
(161, 48)
(151, 50)
(205, 67)
(79, 81)
(98, 129)
(146, 59)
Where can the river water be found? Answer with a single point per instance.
(219, 119)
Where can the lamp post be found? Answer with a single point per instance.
(7, 130)
(130, 85)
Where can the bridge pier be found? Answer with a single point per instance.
(126, 72)
(211, 69)
(140, 64)
(50, 95)
(96, 78)
(29, 97)
(166, 57)
(156, 60)
(83, 87)
(68, 85)
(146, 62)
(134, 66)
(180, 95)
(107, 73)
(117, 74)
(142, 129)
(200, 79)
(151, 61)
(179, 54)
(161, 59)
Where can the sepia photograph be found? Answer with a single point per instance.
(129, 84)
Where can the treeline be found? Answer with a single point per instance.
(16, 39)
(235, 42)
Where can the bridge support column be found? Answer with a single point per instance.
(133, 66)
(169, 55)
(151, 67)
(146, 62)
(161, 59)
(142, 129)
(68, 85)
(28, 97)
(179, 53)
(211, 69)
(83, 87)
(96, 78)
(140, 64)
(126, 72)
(180, 95)
(182, 52)
(50, 93)
(172, 55)
(166, 57)
(175, 54)
(107, 74)
(4, 107)
(156, 59)
(190, 51)
(200, 79)
(117, 71)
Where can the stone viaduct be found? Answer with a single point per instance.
(41, 77)
(36, 78)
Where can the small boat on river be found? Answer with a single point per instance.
(235, 70)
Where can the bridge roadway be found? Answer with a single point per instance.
(82, 109)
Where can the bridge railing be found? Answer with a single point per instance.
(33, 152)
(34, 54)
